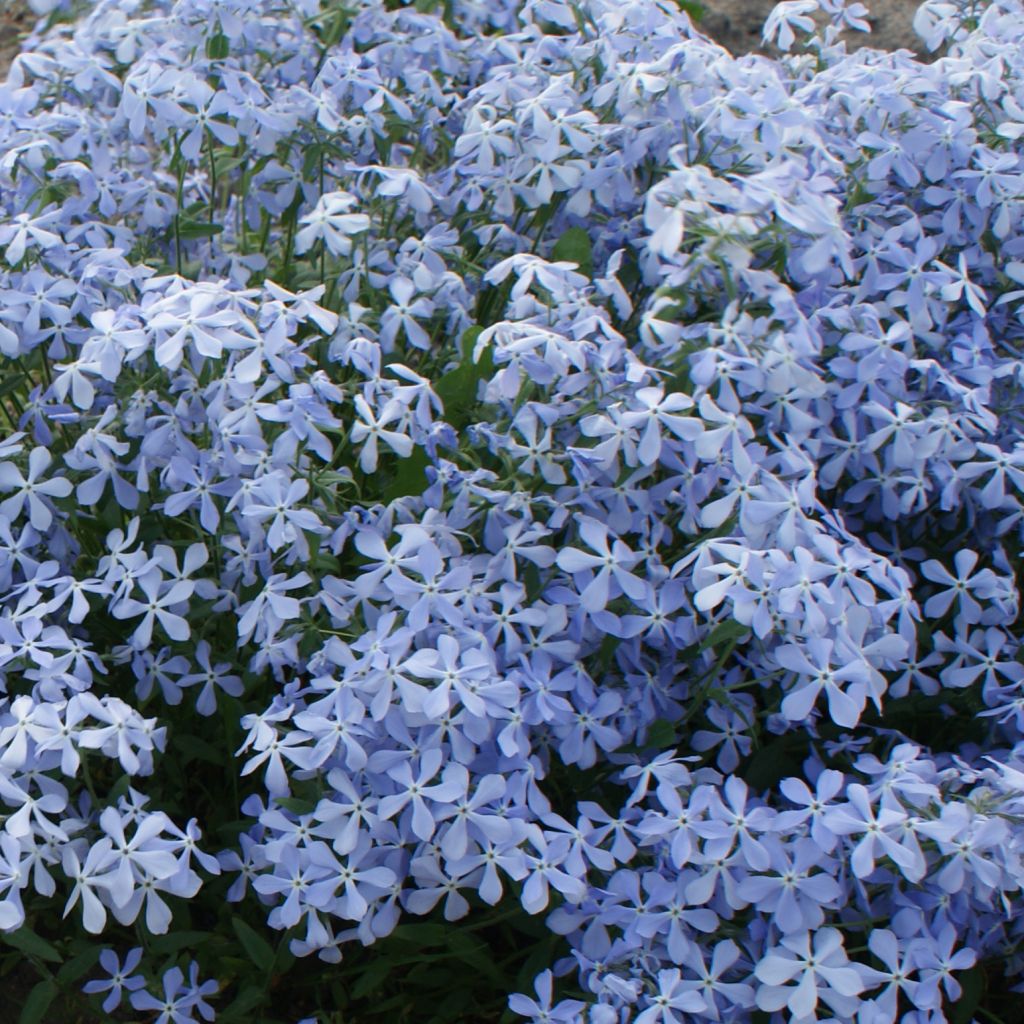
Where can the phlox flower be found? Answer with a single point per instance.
(964, 588)
(24, 230)
(542, 1009)
(120, 977)
(332, 223)
(31, 488)
(372, 428)
(673, 994)
(821, 972)
(179, 998)
(157, 609)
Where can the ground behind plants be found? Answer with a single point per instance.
(736, 24)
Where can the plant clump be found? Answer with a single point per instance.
(503, 497)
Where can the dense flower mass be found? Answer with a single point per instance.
(515, 454)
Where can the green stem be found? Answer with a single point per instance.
(213, 176)
(177, 209)
(991, 1016)
(87, 778)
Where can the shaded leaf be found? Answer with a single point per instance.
(78, 965)
(574, 246)
(259, 950)
(28, 942)
(38, 1002)
(198, 229)
(973, 984)
(458, 388)
(410, 477)
(172, 942)
(723, 634)
(247, 1000)
(217, 46)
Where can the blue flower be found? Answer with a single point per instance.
(121, 977)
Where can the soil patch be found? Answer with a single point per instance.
(736, 24)
(15, 22)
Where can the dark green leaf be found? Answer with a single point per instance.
(423, 935)
(475, 955)
(10, 382)
(452, 1006)
(773, 762)
(38, 1002)
(296, 804)
(226, 162)
(108, 514)
(259, 950)
(217, 47)
(574, 246)
(662, 734)
(410, 477)
(198, 229)
(334, 30)
(250, 997)
(74, 968)
(314, 154)
(193, 748)
(372, 977)
(458, 388)
(119, 788)
(692, 8)
(172, 942)
(973, 984)
(330, 476)
(28, 942)
(542, 954)
(723, 634)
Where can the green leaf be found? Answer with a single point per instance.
(453, 1006)
(543, 953)
(119, 788)
(226, 162)
(723, 634)
(423, 935)
(973, 984)
(476, 955)
(694, 9)
(371, 977)
(458, 388)
(74, 968)
(28, 942)
(332, 476)
(662, 734)
(195, 749)
(10, 382)
(296, 804)
(173, 942)
(198, 229)
(259, 950)
(574, 246)
(250, 997)
(217, 47)
(774, 761)
(38, 1002)
(410, 477)
(108, 515)
(314, 154)
(335, 30)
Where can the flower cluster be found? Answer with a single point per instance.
(517, 453)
